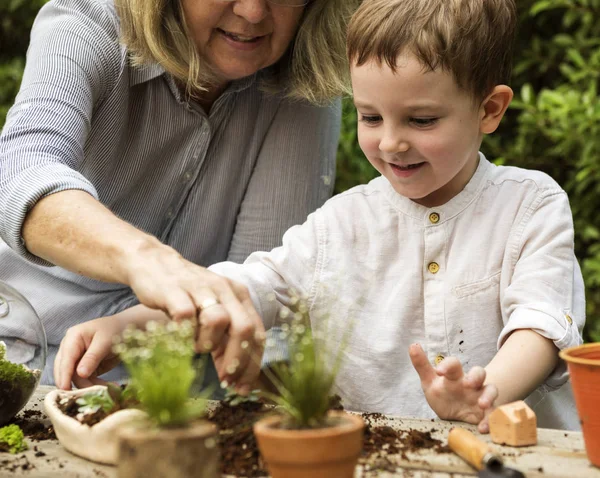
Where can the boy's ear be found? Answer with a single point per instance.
(493, 108)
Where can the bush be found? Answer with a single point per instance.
(553, 124)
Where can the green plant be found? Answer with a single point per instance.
(111, 399)
(12, 439)
(305, 382)
(161, 366)
(15, 373)
(234, 399)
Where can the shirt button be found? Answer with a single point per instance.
(434, 218)
(187, 176)
(170, 213)
(433, 267)
(439, 359)
(569, 319)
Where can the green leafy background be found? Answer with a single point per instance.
(552, 125)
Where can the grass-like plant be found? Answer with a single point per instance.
(305, 382)
(160, 362)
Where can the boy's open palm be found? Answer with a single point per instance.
(452, 394)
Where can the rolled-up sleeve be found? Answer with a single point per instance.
(546, 292)
(73, 61)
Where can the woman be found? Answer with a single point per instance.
(148, 143)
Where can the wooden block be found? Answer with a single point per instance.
(513, 424)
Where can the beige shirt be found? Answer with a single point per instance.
(456, 278)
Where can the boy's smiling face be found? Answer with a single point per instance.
(417, 128)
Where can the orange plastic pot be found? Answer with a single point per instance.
(330, 452)
(584, 367)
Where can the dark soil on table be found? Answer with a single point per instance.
(240, 455)
(34, 427)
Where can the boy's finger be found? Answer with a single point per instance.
(419, 360)
(488, 396)
(450, 368)
(67, 357)
(96, 352)
(475, 378)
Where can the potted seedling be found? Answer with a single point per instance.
(305, 437)
(17, 383)
(86, 420)
(174, 441)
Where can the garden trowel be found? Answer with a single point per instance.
(479, 455)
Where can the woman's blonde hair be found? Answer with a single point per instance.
(315, 67)
(471, 39)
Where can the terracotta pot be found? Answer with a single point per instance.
(96, 443)
(169, 452)
(584, 367)
(320, 453)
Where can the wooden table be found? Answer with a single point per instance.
(558, 454)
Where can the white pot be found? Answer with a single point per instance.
(97, 443)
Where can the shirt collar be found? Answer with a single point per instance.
(446, 211)
(145, 73)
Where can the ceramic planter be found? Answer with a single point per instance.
(584, 367)
(180, 452)
(330, 452)
(96, 443)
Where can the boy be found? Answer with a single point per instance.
(473, 261)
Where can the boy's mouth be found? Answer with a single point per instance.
(407, 166)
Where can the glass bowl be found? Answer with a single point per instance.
(23, 350)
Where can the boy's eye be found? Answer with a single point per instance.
(423, 121)
(370, 119)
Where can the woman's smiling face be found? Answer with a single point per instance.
(238, 38)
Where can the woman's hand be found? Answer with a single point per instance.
(229, 326)
(453, 395)
(86, 352)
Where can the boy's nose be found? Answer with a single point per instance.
(393, 144)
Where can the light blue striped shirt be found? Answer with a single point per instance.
(215, 187)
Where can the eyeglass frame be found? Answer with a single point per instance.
(274, 2)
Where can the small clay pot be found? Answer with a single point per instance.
(584, 367)
(330, 452)
(97, 442)
(181, 452)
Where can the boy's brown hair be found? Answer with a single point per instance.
(471, 39)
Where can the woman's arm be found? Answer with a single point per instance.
(49, 211)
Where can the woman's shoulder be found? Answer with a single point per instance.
(91, 16)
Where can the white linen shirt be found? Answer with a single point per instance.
(457, 278)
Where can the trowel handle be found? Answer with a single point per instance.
(470, 448)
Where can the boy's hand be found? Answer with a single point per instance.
(86, 352)
(450, 393)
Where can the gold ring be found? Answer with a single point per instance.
(206, 303)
